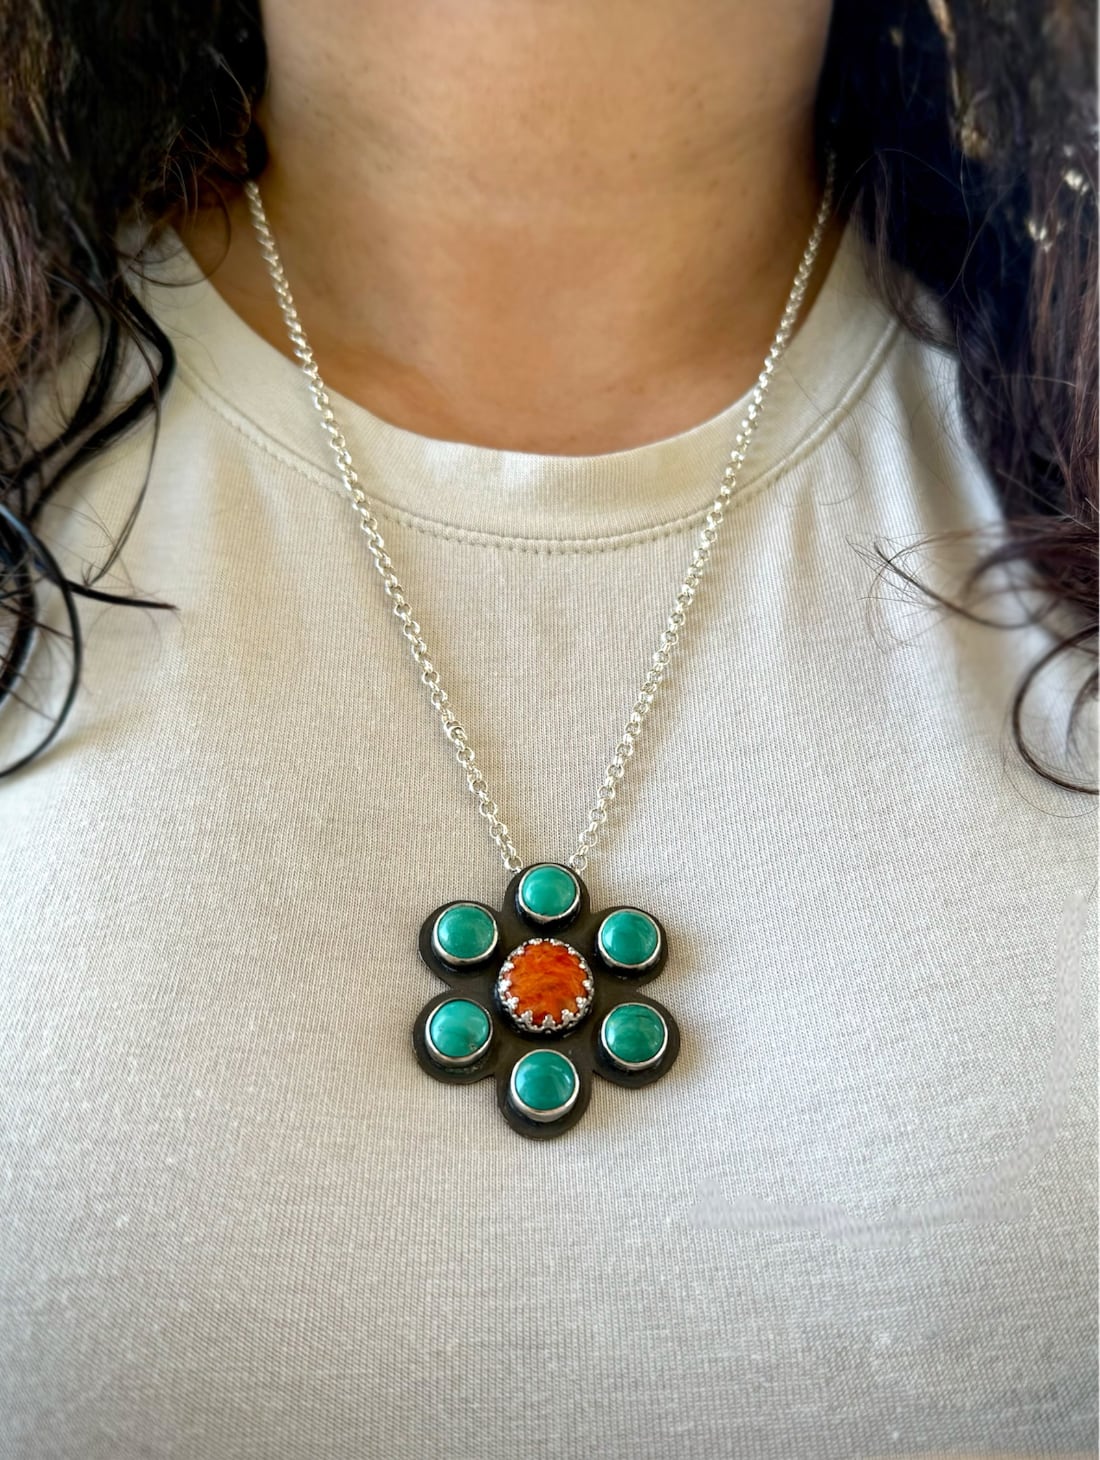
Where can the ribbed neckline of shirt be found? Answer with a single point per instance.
(522, 495)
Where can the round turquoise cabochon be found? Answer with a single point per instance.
(458, 1031)
(464, 933)
(634, 1036)
(544, 1084)
(548, 892)
(628, 938)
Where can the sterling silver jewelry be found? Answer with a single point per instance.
(466, 943)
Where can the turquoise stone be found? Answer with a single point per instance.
(548, 892)
(634, 1036)
(458, 1032)
(628, 939)
(544, 1084)
(464, 933)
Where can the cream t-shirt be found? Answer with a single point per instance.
(857, 1216)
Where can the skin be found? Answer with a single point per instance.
(554, 227)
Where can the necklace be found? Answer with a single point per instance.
(543, 992)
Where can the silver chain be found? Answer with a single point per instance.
(674, 627)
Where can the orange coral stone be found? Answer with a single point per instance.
(547, 980)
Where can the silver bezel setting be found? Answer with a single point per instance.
(509, 1001)
(544, 1117)
(450, 1061)
(629, 967)
(535, 917)
(622, 1064)
(448, 958)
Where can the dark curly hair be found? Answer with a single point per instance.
(964, 134)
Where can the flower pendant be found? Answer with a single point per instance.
(542, 995)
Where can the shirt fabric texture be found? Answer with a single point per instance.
(857, 1218)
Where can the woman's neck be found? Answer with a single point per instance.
(540, 225)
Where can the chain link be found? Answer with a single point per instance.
(674, 626)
